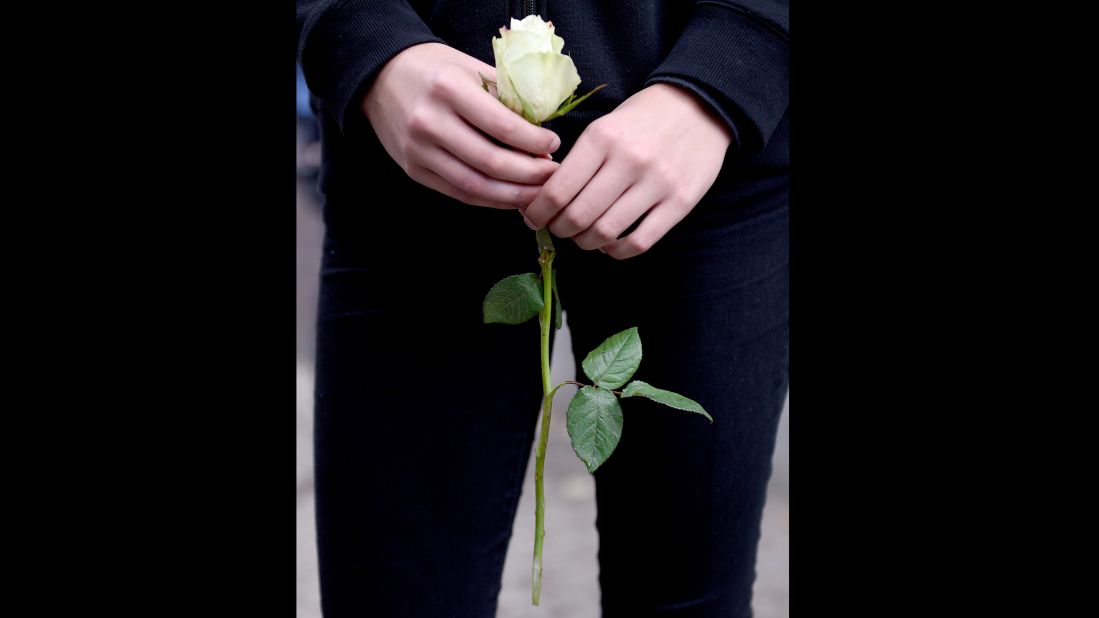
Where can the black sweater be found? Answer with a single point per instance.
(732, 54)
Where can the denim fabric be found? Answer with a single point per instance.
(425, 417)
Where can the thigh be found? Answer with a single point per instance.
(680, 500)
(423, 426)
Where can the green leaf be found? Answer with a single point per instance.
(485, 82)
(637, 388)
(567, 106)
(514, 299)
(566, 102)
(612, 363)
(557, 304)
(594, 424)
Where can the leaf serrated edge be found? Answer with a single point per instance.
(484, 303)
(701, 410)
(640, 357)
(568, 427)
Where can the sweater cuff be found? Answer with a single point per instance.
(737, 64)
(344, 50)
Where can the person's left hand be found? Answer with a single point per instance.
(657, 153)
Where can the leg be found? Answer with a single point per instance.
(425, 419)
(680, 501)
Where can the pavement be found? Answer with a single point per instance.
(570, 576)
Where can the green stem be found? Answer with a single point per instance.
(545, 321)
(575, 383)
(545, 241)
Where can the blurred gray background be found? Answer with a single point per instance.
(570, 586)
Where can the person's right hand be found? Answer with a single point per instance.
(426, 106)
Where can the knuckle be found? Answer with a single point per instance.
(570, 220)
(636, 244)
(441, 83)
(560, 228)
(662, 174)
(602, 132)
(603, 232)
(585, 242)
(491, 163)
(637, 158)
(419, 122)
(681, 200)
(470, 185)
(518, 196)
(555, 198)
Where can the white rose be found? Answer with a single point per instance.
(533, 77)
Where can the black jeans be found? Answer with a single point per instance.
(425, 417)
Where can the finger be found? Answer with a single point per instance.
(660, 219)
(636, 201)
(434, 181)
(488, 114)
(477, 66)
(487, 191)
(477, 151)
(608, 184)
(576, 170)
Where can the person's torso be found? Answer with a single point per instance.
(618, 43)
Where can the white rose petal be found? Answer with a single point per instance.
(533, 77)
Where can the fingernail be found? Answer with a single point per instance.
(529, 224)
(601, 250)
(555, 144)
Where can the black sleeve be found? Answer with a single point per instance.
(735, 57)
(343, 44)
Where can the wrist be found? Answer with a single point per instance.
(694, 105)
(392, 69)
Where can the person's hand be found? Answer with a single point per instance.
(657, 153)
(427, 105)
